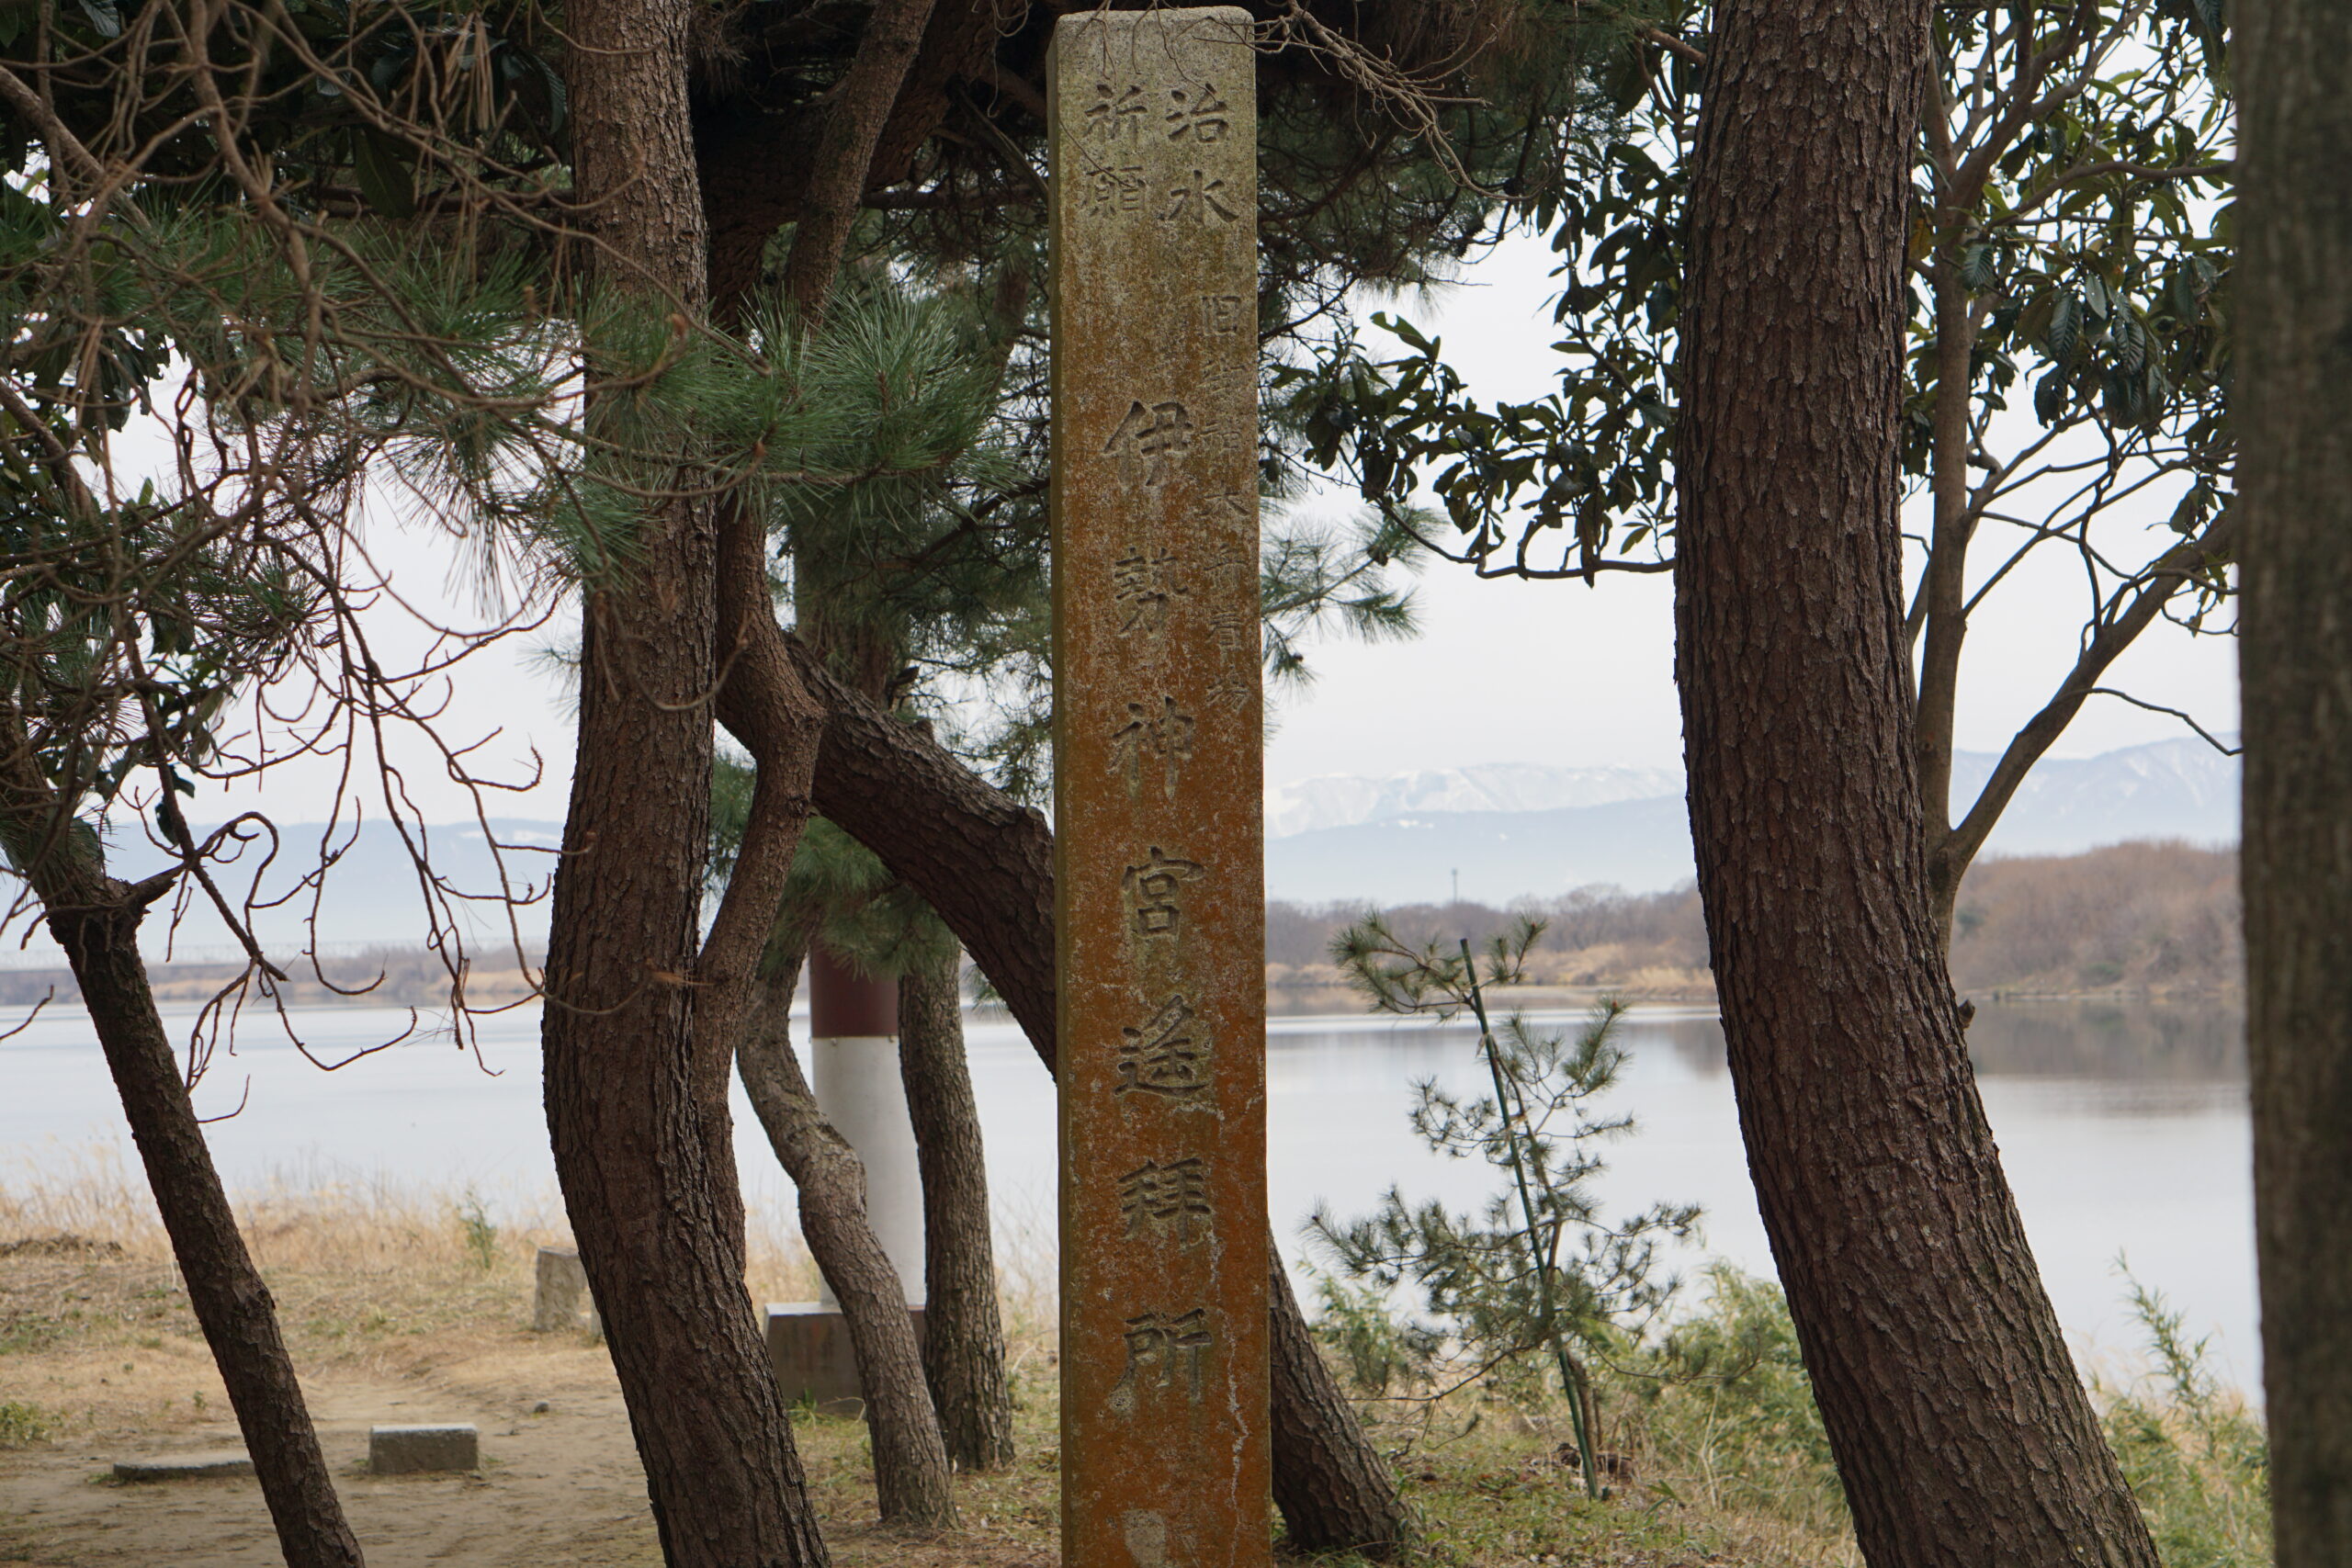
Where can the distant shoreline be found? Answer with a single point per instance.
(1293, 995)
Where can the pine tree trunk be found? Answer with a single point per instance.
(1335, 1492)
(911, 1469)
(646, 1177)
(912, 1475)
(963, 1347)
(97, 925)
(2294, 416)
(658, 1227)
(985, 863)
(1961, 1430)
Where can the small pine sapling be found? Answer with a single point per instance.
(1539, 1273)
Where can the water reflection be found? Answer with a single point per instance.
(2122, 1127)
(2135, 1041)
(2191, 1041)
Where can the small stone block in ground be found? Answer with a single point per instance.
(184, 1467)
(810, 1350)
(561, 1299)
(411, 1450)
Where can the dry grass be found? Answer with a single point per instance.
(2141, 917)
(362, 1230)
(395, 1280)
(381, 1288)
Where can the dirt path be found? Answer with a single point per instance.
(561, 1487)
(558, 1486)
(400, 1318)
(97, 1348)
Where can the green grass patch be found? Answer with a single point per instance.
(21, 1424)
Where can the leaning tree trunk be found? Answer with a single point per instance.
(985, 863)
(1335, 1492)
(658, 1228)
(912, 1475)
(96, 919)
(643, 1164)
(963, 1346)
(2294, 416)
(1960, 1428)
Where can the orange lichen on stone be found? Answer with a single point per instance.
(1158, 825)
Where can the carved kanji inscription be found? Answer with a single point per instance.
(1167, 1056)
(1200, 197)
(1198, 113)
(1159, 736)
(1152, 438)
(1165, 1355)
(1117, 111)
(1156, 887)
(1170, 1199)
(1143, 583)
(1155, 735)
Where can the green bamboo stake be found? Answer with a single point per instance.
(1571, 1375)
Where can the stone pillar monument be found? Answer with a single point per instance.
(1158, 836)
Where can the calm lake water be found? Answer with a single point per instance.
(2124, 1128)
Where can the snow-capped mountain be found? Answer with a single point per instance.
(1389, 841)
(1504, 830)
(2169, 789)
(1343, 800)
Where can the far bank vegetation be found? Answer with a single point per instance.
(2151, 918)
(2146, 917)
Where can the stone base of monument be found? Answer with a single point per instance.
(561, 1299)
(184, 1467)
(810, 1349)
(413, 1451)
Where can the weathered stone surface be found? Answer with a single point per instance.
(409, 1450)
(809, 1349)
(1158, 817)
(560, 1298)
(184, 1467)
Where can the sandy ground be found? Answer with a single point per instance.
(392, 1320)
(559, 1486)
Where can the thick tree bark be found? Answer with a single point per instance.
(980, 859)
(910, 1470)
(96, 919)
(2294, 418)
(856, 112)
(986, 864)
(963, 1346)
(649, 1187)
(766, 707)
(756, 166)
(1961, 1430)
(1335, 1492)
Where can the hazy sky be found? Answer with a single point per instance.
(1504, 671)
(1565, 674)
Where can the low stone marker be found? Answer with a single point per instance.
(810, 1351)
(561, 1300)
(411, 1450)
(184, 1467)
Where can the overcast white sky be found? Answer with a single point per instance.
(1574, 676)
(1553, 673)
